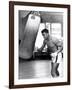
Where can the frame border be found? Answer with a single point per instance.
(11, 44)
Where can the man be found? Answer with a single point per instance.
(54, 47)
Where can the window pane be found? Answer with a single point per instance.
(56, 30)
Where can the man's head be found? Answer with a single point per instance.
(45, 33)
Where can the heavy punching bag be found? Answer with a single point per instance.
(27, 44)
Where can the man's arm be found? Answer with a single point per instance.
(60, 49)
(59, 44)
(42, 47)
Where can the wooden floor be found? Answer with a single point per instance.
(34, 69)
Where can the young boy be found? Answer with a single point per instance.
(54, 47)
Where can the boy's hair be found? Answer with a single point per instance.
(45, 30)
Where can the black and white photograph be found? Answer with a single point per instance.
(41, 45)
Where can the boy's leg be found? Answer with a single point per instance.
(54, 67)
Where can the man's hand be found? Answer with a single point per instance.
(54, 54)
(39, 50)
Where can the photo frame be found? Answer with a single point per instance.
(48, 13)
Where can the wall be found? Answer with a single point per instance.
(4, 45)
(52, 17)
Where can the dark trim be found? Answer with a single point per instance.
(68, 42)
(41, 85)
(11, 44)
(40, 4)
